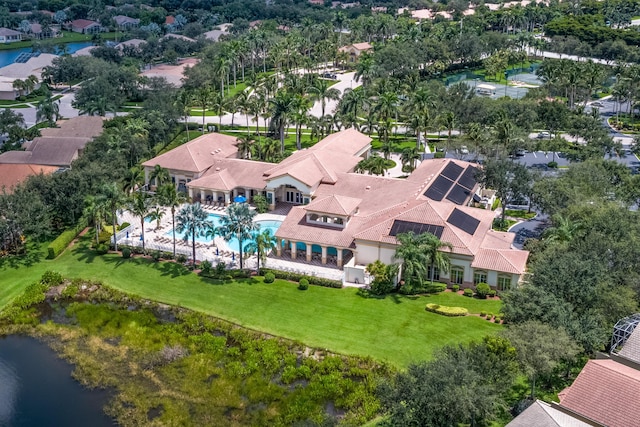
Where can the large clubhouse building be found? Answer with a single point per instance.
(346, 219)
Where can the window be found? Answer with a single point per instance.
(504, 283)
(479, 277)
(436, 273)
(457, 275)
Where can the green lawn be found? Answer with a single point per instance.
(395, 329)
(67, 37)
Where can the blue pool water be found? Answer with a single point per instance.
(8, 56)
(233, 243)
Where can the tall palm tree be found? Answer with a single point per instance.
(112, 198)
(47, 110)
(564, 229)
(139, 204)
(160, 175)
(183, 104)
(156, 214)
(94, 211)
(433, 247)
(203, 97)
(282, 107)
(169, 196)
(262, 243)
(322, 91)
(409, 157)
(238, 223)
(192, 221)
(414, 260)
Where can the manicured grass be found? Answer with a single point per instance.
(395, 329)
(518, 213)
(67, 37)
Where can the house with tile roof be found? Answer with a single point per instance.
(8, 35)
(345, 219)
(543, 414)
(355, 50)
(12, 174)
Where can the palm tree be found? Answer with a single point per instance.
(48, 110)
(282, 106)
(183, 104)
(564, 230)
(262, 243)
(112, 198)
(432, 247)
(192, 221)
(414, 259)
(169, 196)
(409, 157)
(95, 212)
(133, 178)
(238, 223)
(160, 175)
(322, 91)
(139, 204)
(203, 99)
(155, 214)
(245, 146)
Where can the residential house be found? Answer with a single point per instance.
(58, 146)
(12, 174)
(9, 36)
(84, 26)
(355, 50)
(39, 32)
(177, 36)
(34, 65)
(347, 220)
(125, 23)
(543, 414)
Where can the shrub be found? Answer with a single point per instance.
(104, 237)
(51, 278)
(156, 255)
(102, 249)
(438, 155)
(468, 292)
(269, 277)
(205, 267)
(303, 285)
(220, 269)
(123, 226)
(552, 165)
(455, 288)
(482, 290)
(126, 253)
(483, 314)
(60, 243)
(434, 288)
(447, 311)
(492, 293)
(295, 277)
(261, 204)
(181, 258)
(489, 316)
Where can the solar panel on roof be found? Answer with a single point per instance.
(25, 56)
(463, 221)
(468, 178)
(400, 227)
(438, 188)
(458, 194)
(452, 171)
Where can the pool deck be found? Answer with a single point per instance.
(156, 239)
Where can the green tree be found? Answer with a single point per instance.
(112, 198)
(95, 213)
(169, 196)
(434, 248)
(160, 176)
(281, 109)
(192, 221)
(139, 204)
(238, 223)
(413, 258)
(263, 242)
(540, 348)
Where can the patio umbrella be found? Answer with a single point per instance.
(217, 252)
(240, 199)
(233, 256)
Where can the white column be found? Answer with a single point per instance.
(308, 252)
(202, 196)
(293, 249)
(324, 254)
(191, 193)
(227, 199)
(339, 260)
(279, 246)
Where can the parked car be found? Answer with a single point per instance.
(544, 135)
(597, 104)
(521, 152)
(464, 150)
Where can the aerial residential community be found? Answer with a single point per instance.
(274, 213)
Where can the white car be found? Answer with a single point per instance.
(464, 150)
(597, 104)
(544, 135)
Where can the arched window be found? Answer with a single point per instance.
(313, 217)
(479, 276)
(457, 275)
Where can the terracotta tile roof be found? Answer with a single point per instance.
(296, 228)
(334, 204)
(631, 348)
(198, 154)
(512, 261)
(83, 23)
(359, 46)
(348, 141)
(541, 414)
(607, 392)
(227, 174)
(13, 174)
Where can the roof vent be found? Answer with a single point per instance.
(217, 169)
(213, 152)
(368, 187)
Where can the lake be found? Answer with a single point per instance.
(36, 389)
(8, 56)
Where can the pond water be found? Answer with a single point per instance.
(8, 56)
(36, 389)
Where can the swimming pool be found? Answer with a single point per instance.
(233, 245)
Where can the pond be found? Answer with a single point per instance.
(8, 56)
(36, 389)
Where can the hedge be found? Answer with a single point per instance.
(447, 311)
(296, 277)
(56, 247)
